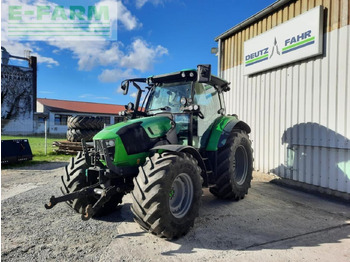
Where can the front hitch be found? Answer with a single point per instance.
(105, 196)
(90, 210)
(85, 192)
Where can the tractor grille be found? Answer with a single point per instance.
(99, 149)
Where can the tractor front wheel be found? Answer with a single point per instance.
(235, 167)
(74, 180)
(167, 193)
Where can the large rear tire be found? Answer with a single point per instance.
(235, 167)
(167, 194)
(74, 180)
(84, 122)
(76, 135)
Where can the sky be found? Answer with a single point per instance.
(149, 37)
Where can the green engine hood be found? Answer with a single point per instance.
(154, 126)
(135, 149)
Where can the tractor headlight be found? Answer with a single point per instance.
(110, 142)
(104, 145)
(183, 101)
(110, 146)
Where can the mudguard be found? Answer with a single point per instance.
(186, 149)
(222, 128)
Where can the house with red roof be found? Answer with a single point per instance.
(58, 111)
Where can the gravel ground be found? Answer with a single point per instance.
(29, 232)
(271, 224)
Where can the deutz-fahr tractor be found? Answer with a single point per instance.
(178, 140)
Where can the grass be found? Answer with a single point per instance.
(37, 145)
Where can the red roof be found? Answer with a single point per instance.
(81, 107)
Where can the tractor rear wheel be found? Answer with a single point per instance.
(74, 180)
(76, 135)
(167, 193)
(84, 122)
(235, 167)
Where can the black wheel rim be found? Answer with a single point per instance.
(241, 165)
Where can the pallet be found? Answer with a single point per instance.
(68, 148)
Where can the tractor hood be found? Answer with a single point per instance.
(134, 138)
(155, 126)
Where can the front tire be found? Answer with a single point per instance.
(74, 180)
(167, 193)
(235, 167)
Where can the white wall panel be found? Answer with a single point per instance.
(300, 115)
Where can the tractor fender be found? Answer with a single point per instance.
(221, 130)
(186, 149)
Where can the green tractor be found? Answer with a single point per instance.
(170, 146)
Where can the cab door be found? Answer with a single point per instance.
(207, 97)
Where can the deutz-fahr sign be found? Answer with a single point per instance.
(296, 39)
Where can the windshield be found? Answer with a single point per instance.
(166, 97)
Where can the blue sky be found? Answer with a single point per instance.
(153, 37)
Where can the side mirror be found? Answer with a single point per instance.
(203, 73)
(125, 86)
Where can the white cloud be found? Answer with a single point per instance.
(126, 18)
(95, 97)
(91, 53)
(124, 61)
(133, 94)
(142, 56)
(86, 95)
(119, 90)
(117, 12)
(88, 53)
(141, 3)
(46, 60)
(115, 75)
(103, 98)
(15, 47)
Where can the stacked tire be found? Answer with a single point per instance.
(83, 127)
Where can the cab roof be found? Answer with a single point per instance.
(183, 75)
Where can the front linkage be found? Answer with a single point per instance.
(102, 191)
(90, 191)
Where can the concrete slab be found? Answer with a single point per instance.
(272, 223)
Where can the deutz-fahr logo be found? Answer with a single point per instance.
(290, 44)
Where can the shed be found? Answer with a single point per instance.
(59, 110)
(289, 68)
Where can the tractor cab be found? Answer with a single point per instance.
(193, 99)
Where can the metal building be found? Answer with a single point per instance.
(293, 88)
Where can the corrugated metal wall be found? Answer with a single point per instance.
(299, 113)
